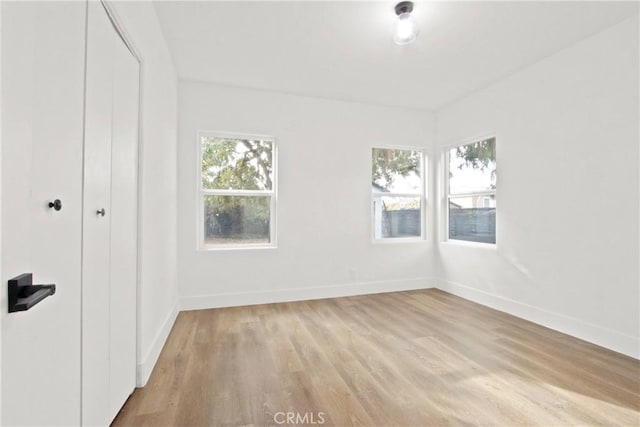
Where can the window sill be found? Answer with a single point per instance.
(467, 244)
(396, 240)
(223, 248)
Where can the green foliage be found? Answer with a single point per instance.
(388, 164)
(236, 164)
(244, 217)
(479, 155)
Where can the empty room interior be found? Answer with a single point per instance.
(341, 213)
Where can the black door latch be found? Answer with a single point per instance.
(23, 294)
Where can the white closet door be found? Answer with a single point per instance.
(101, 42)
(109, 239)
(124, 196)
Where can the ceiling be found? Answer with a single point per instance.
(345, 50)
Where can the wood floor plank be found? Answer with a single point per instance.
(417, 358)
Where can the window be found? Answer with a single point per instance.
(237, 191)
(398, 193)
(471, 191)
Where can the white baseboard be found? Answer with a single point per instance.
(300, 294)
(144, 369)
(604, 337)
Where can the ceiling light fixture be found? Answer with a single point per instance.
(406, 28)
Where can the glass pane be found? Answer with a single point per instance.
(230, 220)
(396, 171)
(397, 217)
(473, 218)
(472, 167)
(236, 164)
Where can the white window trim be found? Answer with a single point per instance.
(200, 193)
(422, 195)
(445, 198)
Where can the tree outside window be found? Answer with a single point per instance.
(237, 190)
(397, 192)
(472, 192)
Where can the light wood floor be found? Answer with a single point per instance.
(419, 358)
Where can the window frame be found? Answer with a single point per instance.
(422, 196)
(201, 193)
(447, 195)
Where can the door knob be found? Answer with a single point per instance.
(101, 212)
(56, 204)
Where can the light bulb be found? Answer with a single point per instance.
(406, 28)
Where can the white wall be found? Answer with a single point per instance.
(567, 222)
(157, 293)
(324, 215)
